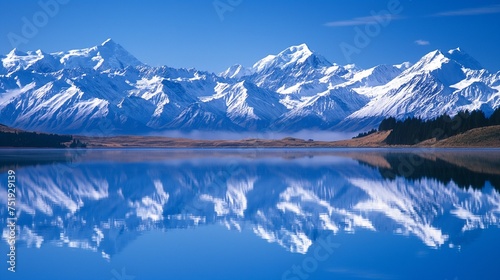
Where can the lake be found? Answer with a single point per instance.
(252, 214)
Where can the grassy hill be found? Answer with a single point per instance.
(477, 137)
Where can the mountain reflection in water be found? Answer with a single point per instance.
(101, 200)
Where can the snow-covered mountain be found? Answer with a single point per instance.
(438, 83)
(105, 90)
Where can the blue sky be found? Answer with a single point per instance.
(215, 34)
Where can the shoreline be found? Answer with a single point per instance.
(475, 138)
(479, 138)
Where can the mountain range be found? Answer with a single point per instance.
(105, 90)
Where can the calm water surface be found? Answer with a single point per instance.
(252, 214)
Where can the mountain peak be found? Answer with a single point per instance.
(16, 52)
(403, 66)
(235, 72)
(435, 59)
(464, 59)
(435, 54)
(301, 49)
(454, 50)
(431, 61)
(109, 44)
(108, 41)
(106, 56)
(112, 55)
(294, 55)
(457, 55)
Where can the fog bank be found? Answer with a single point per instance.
(226, 135)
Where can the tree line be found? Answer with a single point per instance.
(414, 130)
(37, 140)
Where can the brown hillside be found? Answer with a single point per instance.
(488, 137)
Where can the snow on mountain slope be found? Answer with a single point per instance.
(291, 57)
(323, 110)
(435, 85)
(108, 55)
(16, 60)
(104, 88)
(247, 105)
(441, 67)
(63, 102)
(293, 68)
(167, 99)
(202, 116)
(464, 59)
(236, 72)
(375, 76)
(37, 61)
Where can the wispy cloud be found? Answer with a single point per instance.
(362, 20)
(485, 10)
(422, 42)
(494, 9)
